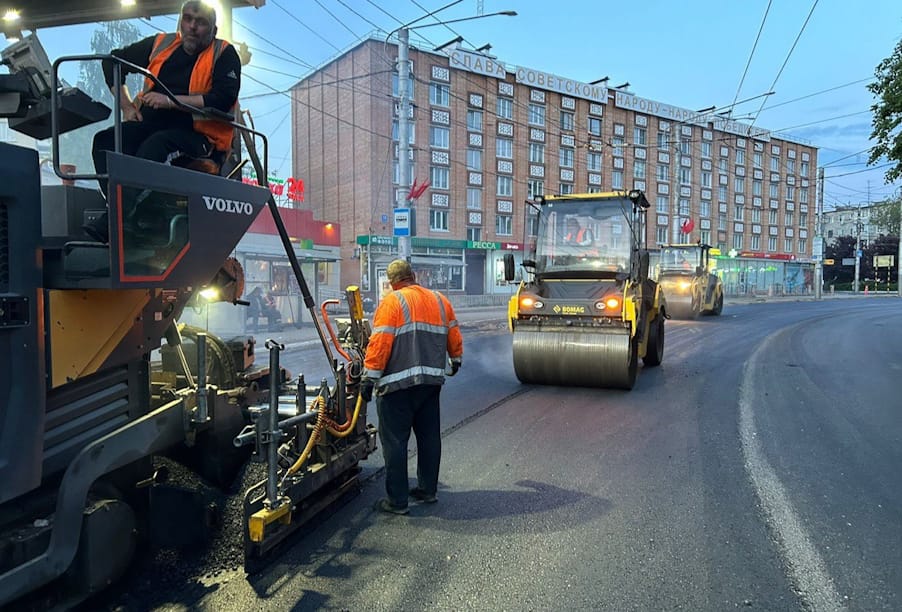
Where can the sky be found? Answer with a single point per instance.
(817, 56)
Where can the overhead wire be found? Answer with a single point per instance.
(752, 54)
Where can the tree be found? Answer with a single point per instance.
(886, 216)
(888, 114)
(75, 146)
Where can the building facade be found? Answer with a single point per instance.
(485, 137)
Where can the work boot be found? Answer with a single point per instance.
(422, 496)
(384, 505)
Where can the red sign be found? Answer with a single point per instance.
(294, 191)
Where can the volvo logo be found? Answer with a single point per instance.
(232, 206)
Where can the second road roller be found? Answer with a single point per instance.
(587, 311)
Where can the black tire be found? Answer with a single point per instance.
(654, 348)
(718, 305)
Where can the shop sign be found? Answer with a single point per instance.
(483, 245)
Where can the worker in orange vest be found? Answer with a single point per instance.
(576, 234)
(200, 71)
(415, 332)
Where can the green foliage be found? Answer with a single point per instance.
(888, 114)
(75, 146)
(886, 216)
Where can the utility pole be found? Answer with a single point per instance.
(819, 236)
(404, 135)
(857, 249)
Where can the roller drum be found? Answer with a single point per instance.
(579, 357)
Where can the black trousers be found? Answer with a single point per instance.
(416, 408)
(148, 142)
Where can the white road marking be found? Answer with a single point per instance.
(804, 565)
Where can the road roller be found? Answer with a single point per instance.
(690, 286)
(586, 310)
(106, 395)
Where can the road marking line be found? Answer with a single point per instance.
(804, 565)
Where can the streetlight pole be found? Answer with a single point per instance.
(819, 236)
(403, 135)
(404, 250)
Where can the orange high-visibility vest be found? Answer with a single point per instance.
(580, 236)
(219, 132)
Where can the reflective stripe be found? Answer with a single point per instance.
(372, 374)
(411, 372)
(384, 329)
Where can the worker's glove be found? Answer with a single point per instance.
(455, 366)
(366, 389)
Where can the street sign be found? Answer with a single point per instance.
(848, 261)
(828, 262)
(883, 261)
(402, 222)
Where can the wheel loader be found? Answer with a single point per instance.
(89, 417)
(587, 311)
(689, 285)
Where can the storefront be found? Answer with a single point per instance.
(750, 273)
(451, 266)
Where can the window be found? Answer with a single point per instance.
(803, 219)
(505, 186)
(706, 149)
(662, 173)
(536, 153)
(722, 193)
(756, 215)
(639, 135)
(395, 89)
(567, 121)
(756, 242)
(790, 166)
(722, 222)
(661, 235)
(639, 169)
(737, 241)
(774, 164)
(685, 176)
(803, 195)
(663, 204)
(788, 218)
(439, 137)
(722, 165)
(504, 147)
(536, 114)
(566, 188)
(685, 147)
(504, 225)
(595, 126)
(757, 160)
(706, 236)
(535, 188)
(738, 184)
(474, 120)
(617, 179)
(774, 190)
(566, 157)
(787, 245)
(474, 159)
(803, 168)
(395, 132)
(593, 161)
(704, 209)
(617, 145)
(790, 193)
(684, 207)
(438, 177)
(438, 219)
(740, 157)
(803, 245)
(474, 198)
(757, 188)
(772, 217)
(706, 179)
(532, 223)
(474, 234)
(439, 94)
(738, 212)
(772, 243)
(505, 108)
(662, 141)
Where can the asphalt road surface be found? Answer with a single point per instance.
(756, 468)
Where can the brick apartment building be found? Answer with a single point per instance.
(487, 135)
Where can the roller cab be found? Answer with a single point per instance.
(587, 312)
(686, 275)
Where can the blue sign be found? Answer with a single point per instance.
(385, 218)
(402, 222)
